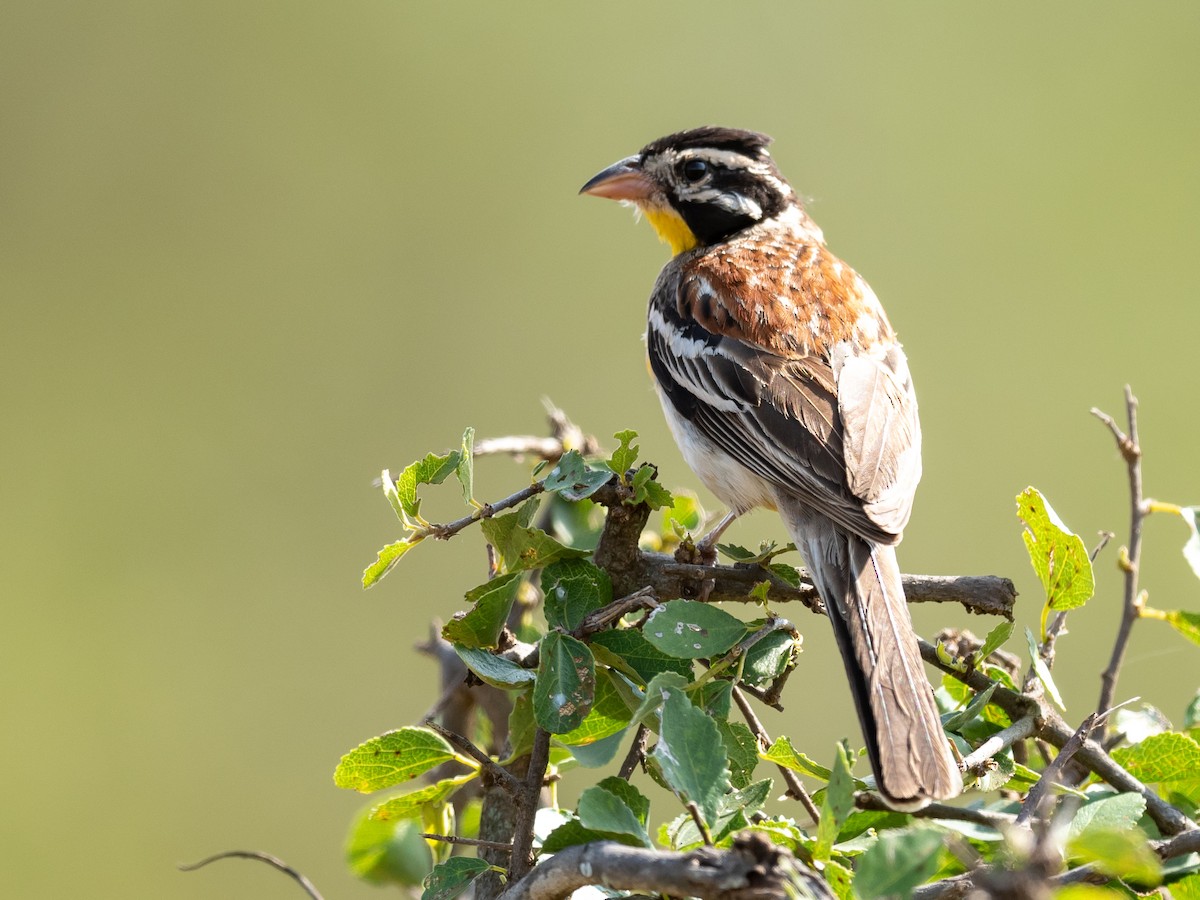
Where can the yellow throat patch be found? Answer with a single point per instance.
(671, 230)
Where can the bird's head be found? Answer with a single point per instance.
(699, 187)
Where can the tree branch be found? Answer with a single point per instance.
(753, 870)
(1052, 729)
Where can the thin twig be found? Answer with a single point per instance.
(1131, 451)
(449, 529)
(606, 615)
(1052, 729)
(701, 825)
(498, 773)
(790, 778)
(1019, 730)
(468, 842)
(1033, 800)
(267, 858)
(874, 803)
(637, 753)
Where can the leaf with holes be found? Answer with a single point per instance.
(689, 630)
(573, 479)
(609, 715)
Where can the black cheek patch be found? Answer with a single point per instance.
(711, 223)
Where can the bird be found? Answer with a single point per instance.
(785, 387)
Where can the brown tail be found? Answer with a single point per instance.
(860, 584)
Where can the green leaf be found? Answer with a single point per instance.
(691, 754)
(899, 861)
(630, 796)
(482, 625)
(685, 515)
(465, 471)
(837, 805)
(388, 851)
(410, 805)
(523, 547)
(715, 698)
(1043, 671)
(1191, 550)
(388, 557)
(609, 715)
(789, 574)
(639, 654)
(1113, 811)
(782, 753)
(995, 640)
(577, 525)
(570, 834)
(741, 749)
(598, 753)
(973, 709)
(689, 630)
(1191, 715)
(840, 879)
(602, 810)
(495, 670)
(1169, 756)
(738, 553)
(769, 658)
(573, 479)
(625, 455)
(657, 691)
(1058, 555)
(998, 773)
(390, 759)
(1119, 853)
(521, 727)
(1186, 623)
(566, 683)
(1186, 888)
(573, 588)
(451, 878)
(433, 469)
(647, 490)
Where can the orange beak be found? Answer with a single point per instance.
(623, 180)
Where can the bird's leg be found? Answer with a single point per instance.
(707, 545)
(704, 551)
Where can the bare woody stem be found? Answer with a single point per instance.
(1131, 451)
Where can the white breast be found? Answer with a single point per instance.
(735, 485)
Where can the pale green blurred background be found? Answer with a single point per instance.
(251, 253)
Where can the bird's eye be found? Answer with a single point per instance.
(694, 169)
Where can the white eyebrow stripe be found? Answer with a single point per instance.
(730, 158)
